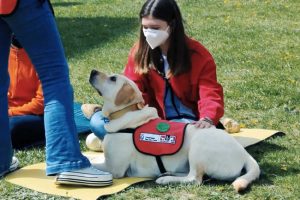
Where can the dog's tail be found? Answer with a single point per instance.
(252, 174)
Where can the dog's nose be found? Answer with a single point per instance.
(94, 72)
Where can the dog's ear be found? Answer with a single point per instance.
(125, 95)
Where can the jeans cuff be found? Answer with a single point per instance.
(70, 166)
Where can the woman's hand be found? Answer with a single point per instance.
(204, 123)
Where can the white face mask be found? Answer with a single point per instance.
(155, 37)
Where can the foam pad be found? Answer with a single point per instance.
(247, 137)
(34, 176)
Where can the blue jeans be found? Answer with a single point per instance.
(97, 124)
(81, 122)
(28, 130)
(35, 28)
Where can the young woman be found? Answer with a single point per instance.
(176, 74)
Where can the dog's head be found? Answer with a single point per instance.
(117, 91)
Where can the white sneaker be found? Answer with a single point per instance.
(89, 176)
(93, 143)
(13, 166)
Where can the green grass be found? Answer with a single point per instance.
(255, 44)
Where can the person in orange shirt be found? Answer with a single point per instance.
(25, 100)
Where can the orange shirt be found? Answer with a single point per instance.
(25, 95)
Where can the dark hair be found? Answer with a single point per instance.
(178, 53)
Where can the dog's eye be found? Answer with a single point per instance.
(113, 78)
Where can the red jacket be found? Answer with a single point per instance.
(7, 6)
(25, 95)
(197, 89)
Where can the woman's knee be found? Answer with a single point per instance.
(14, 124)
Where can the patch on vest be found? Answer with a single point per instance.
(159, 137)
(149, 137)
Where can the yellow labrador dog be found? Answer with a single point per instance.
(204, 151)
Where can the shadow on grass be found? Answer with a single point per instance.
(82, 34)
(259, 150)
(272, 168)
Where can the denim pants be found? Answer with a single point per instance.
(28, 130)
(35, 27)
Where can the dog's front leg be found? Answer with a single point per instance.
(118, 151)
(116, 125)
(131, 119)
(117, 170)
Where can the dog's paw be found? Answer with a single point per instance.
(164, 180)
(89, 109)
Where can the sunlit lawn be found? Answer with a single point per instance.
(255, 44)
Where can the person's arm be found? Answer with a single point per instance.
(35, 106)
(211, 102)
(129, 72)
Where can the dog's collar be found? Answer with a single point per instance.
(120, 113)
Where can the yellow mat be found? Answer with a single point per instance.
(247, 137)
(33, 177)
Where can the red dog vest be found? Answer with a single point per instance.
(7, 6)
(159, 137)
